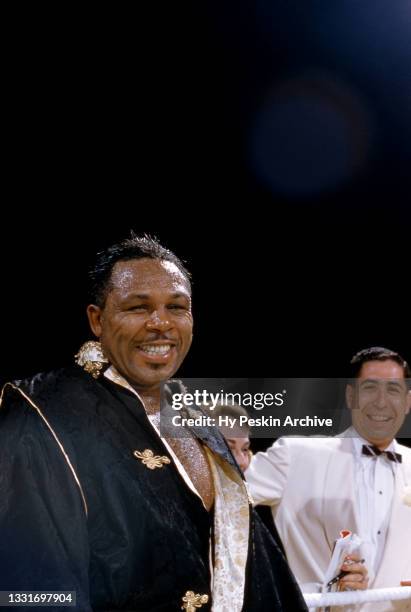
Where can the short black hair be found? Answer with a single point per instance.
(377, 353)
(135, 247)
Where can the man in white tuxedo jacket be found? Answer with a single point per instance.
(360, 481)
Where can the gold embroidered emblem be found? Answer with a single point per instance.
(193, 600)
(90, 357)
(151, 460)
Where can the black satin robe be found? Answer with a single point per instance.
(144, 541)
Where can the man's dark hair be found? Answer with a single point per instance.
(377, 353)
(135, 247)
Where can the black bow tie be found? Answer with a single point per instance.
(373, 451)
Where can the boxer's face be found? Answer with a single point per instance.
(145, 326)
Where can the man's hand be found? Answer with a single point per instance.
(357, 577)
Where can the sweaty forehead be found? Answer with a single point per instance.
(138, 275)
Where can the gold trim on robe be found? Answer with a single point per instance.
(55, 436)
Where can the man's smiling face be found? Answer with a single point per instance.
(379, 401)
(145, 326)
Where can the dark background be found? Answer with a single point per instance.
(267, 143)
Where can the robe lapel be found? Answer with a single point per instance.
(211, 437)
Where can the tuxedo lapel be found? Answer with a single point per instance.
(339, 493)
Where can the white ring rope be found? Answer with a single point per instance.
(346, 598)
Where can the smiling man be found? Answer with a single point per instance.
(359, 481)
(378, 398)
(94, 501)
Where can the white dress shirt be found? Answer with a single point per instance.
(374, 482)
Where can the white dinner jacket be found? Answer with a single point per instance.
(309, 483)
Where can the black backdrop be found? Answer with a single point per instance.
(219, 129)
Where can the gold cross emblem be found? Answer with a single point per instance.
(193, 600)
(151, 460)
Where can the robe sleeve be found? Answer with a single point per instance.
(43, 523)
